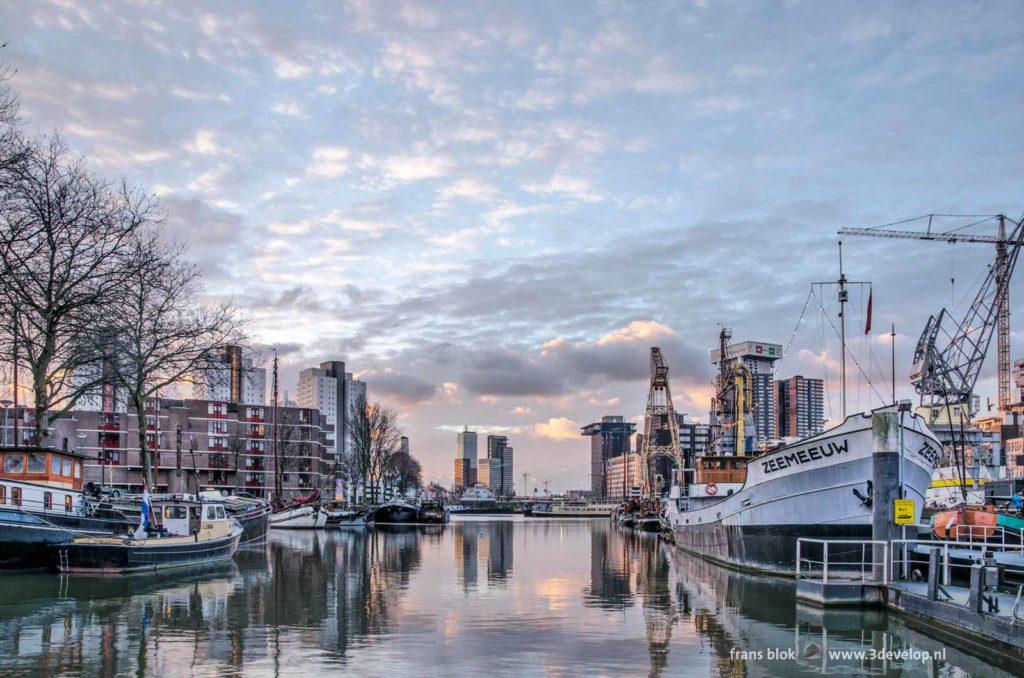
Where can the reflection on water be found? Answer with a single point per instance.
(477, 596)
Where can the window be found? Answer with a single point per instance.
(36, 464)
(67, 503)
(211, 513)
(67, 468)
(220, 512)
(78, 470)
(47, 501)
(54, 465)
(196, 512)
(14, 463)
(16, 496)
(3, 494)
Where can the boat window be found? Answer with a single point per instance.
(67, 468)
(47, 501)
(3, 494)
(220, 512)
(211, 513)
(67, 503)
(168, 512)
(196, 513)
(78, 469)
(55, 464)
(14, 463)
(36, 464)
(16, 496)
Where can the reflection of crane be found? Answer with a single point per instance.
(661, 430)
(947, 363)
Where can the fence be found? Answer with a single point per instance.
(845, 560)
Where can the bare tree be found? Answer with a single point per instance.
(61, 234)
(376, 441)
(406, 471)
(160, 331)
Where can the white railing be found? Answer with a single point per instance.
(838, 560)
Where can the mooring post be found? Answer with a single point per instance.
(933, 573)
(885, 480)
(977, 594)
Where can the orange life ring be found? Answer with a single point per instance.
(711, 489)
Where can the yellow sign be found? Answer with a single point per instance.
(903, 511)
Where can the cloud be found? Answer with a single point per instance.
(329, 162)
(406, 389)
(204, 143)
(557, 428)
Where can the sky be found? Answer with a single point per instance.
(492, 210)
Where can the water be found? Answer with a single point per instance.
(477, 597)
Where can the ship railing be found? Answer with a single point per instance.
(988, 535)
(955, 557)
(842, 560)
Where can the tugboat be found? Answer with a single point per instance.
(41, 503)
(174, 533)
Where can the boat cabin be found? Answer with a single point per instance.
(717, 477)
(185, 517)
(40, 479)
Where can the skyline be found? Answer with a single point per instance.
(492, 211)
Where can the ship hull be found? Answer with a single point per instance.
(151, 555)
(25, 536)
(298, 518)
(813, 489)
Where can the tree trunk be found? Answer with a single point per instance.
(147, 462)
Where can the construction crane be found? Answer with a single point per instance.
(947, 363)
(661, 429)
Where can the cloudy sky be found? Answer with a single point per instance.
(491, 210)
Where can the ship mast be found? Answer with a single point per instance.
(843, 297)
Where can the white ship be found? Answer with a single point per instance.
(819, 487)
(576, 509)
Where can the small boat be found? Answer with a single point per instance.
(974, 523)
(577, 509)
(531, 508)
(343, 518)
(302, 514)
(456, 508)
(182, 533)
(432, 513)
(394, 511)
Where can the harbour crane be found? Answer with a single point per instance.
(947, 362)
(661, 428)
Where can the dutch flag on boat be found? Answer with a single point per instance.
(144, 522)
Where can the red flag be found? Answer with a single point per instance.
(867, 324)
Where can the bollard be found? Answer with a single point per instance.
(933, 574)
(976, 598)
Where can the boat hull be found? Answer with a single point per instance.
(394, 514)
(794, 492)
(299, 518)
(25, 536)
(151, 555)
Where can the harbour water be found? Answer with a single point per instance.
(507, 596)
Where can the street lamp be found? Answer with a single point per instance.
(6, 404)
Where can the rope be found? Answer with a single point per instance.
(854, 359)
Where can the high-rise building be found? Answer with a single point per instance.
(483, 474)
(232, 379)
(333, 391)
(499, 469)
(800, 409)
(759, 357)
(622, 474)
(609, 438)
(465, 459)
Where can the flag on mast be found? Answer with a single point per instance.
(140, 533)
(867, 323)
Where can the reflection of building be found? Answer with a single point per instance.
(499, 550)
(609, 438)
(466, 537)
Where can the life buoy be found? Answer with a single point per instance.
(711, 489)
